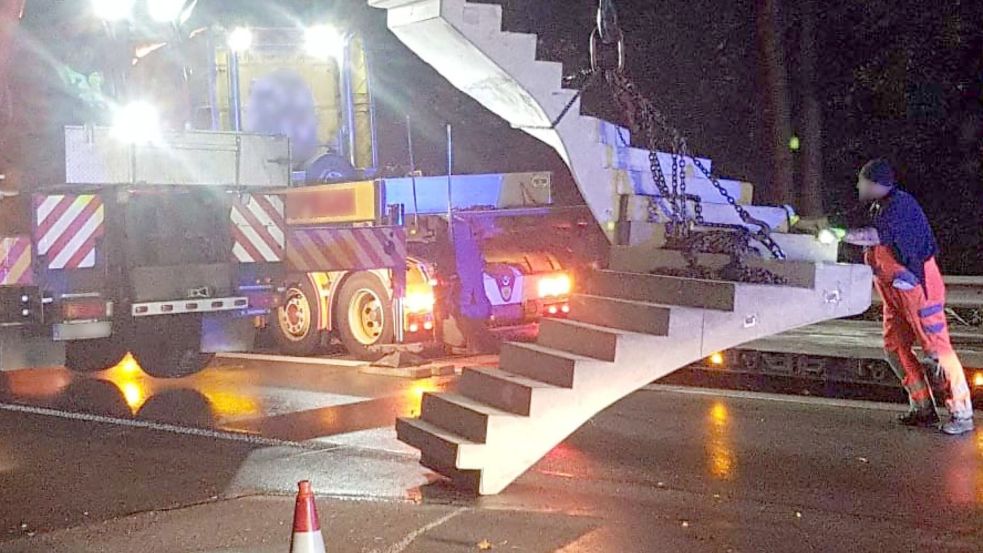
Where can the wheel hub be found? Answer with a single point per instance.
(295, 315)
(366, 317)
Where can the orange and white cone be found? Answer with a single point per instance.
(307, 530)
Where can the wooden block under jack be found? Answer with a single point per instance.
(422, 371)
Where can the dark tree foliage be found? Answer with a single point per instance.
(895, 78)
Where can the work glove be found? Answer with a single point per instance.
(830, 235)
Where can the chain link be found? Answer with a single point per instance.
(730, 239)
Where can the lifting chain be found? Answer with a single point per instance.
(642, 115)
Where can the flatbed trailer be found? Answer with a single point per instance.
(851, 351)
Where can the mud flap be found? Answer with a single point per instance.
(20, 350)
(222, 333)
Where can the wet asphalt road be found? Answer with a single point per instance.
(208, 463)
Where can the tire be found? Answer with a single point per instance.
(183, 406)
(364, 316)
(295, 326)
(93, 396)
(85, 356)
(169, 346)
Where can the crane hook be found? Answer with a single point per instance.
(608, 33)
(607, 22)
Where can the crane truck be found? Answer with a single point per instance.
(154, 237)
(303, 93)
(314, 86)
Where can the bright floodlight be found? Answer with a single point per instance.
(165, 11)
(324, 42)
(240, 39)
(137, 123)
(112, 10)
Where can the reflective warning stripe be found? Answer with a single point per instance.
(15, 261)
(258, 229)
(329, 249)
(67, 229)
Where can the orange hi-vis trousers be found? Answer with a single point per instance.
(918, 315)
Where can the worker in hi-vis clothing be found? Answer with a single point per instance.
(901, 248)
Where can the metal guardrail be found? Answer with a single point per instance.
(961, 291)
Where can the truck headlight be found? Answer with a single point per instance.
(324, 42)
(555, 286)
(137, 123)
(165, 11)
(419, 302)
(240, 39)
(112, 10)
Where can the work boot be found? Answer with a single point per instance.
(958, 425)
(925, 418)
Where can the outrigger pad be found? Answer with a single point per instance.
(400, 360)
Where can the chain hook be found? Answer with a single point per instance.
(607, 32)
(607, 22)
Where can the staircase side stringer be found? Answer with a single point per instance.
(462, 52)
(841, 290)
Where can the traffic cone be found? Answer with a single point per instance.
(307, 530)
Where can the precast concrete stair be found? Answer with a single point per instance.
(627, 327)
(625, 330)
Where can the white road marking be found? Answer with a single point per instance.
(401, 546)
(293, 359)
(375, 439)
(161, 427)
(277, 401)
(780, 398)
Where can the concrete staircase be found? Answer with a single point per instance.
(626, 330)
(627, 327)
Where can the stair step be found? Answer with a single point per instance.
(503, 390)
(665, 290)
(521, 46)
(796, 247)
(611, 134)
(440, 444)
(461, 415)
(633, 316)
(714, 210)
(580, 338)
(463, 480)
(647, 258)
(640, 182)
(486, 16)
(542, 363)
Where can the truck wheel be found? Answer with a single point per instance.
(86, 356)
(169, 346)
(364, 315)
(296, 328)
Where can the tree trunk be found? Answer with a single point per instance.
(10, 13)
(811, 191)
(778, 115)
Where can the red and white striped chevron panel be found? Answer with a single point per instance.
(67, 229)
(258, 229)
(15, 261)
(346, 249)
